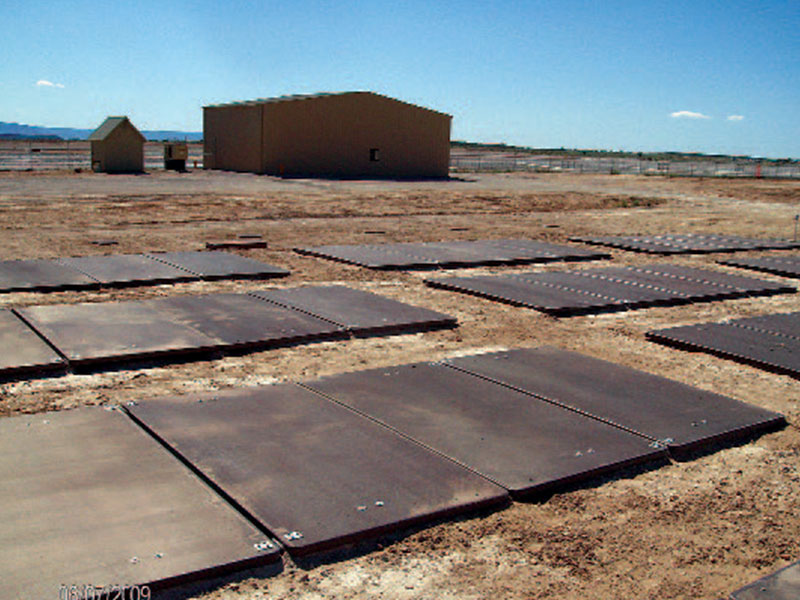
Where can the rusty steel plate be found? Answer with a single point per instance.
(22, 351)
(690, 289)
(786, 324)
(537, 251)
(520, 442)
(528, 293)
(644, 244)
(372, 256)
(756, 347)
(94, 333)
(445, 254)
(686, 243)
(361, 313)
(127, 269)
(627, 293)
(562, 293)
(566, 293)
(219, 265)
(781, 585)
(41, 275)
(746, 286)
(451, 254)
(785, 266)
(479, 252)
(496, 252)
(315, 474)
(88, 498)
(678, 416)
(242, 321)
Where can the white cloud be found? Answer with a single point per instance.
(735, 118)
(45, 83)
(687, 114)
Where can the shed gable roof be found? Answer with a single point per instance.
(109, 125)
(297, 97)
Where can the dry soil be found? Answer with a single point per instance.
(695, 529)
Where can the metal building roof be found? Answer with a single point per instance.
(109, 125)
(295, 97)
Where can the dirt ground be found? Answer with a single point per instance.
(696, 529)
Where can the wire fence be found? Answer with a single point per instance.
(41, 155)
(28, 155)
(478, 162)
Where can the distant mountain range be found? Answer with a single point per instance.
(17, 131)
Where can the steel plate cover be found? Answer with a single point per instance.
(362, 313)
(525, 444)
(22, 351)
(126, 269)
(678, 415)
(92, 333)
(88, 498)
(314, 473)
(41, 275)
(219, 265)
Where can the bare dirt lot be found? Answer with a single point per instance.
(696, 529)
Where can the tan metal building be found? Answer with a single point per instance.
(348, 134)
(117, 147)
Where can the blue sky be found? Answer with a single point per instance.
(607, 74)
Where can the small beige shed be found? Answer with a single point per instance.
(117, 147)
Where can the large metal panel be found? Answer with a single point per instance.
(680, 416)
(690, 289)
(92, 333)
(219, 265)
(536, 251)
(734, 283)
(362, 313)
(241, 321)
(88, 498)
(127, 269)
(311, 471)
(451, 254)
(786, 265)
(373, 256)
(41, 274)
(524, 444)
(786, 324)
(595, 290)
(626, 293)
(644, 244)
(447, 254)
(686, 243)
(525, 292)
(781, 585)
(22, 351)
(751, 346)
